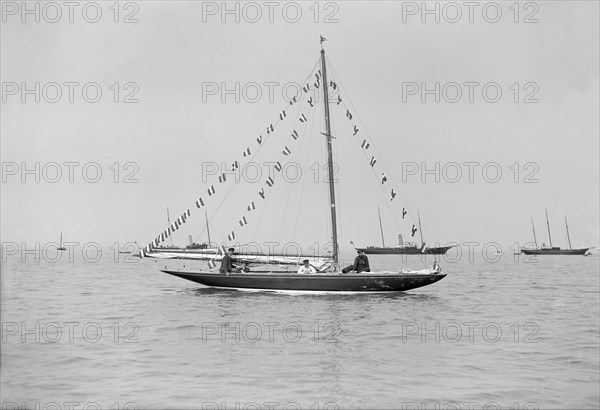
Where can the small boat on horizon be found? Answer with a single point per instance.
(60, 245)
(553, 250)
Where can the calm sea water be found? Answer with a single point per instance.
(124, 335)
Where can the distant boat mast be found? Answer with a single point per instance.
(420, 230)
(207, 230)
(169, 220)
(568, 237)
(380, 226)
(548, 223)
(534, 238)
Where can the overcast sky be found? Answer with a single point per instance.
(174, 63)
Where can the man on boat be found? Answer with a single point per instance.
(226, 263)
(306, 269)
(361, 264)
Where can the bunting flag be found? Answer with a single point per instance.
(262, 193)
(251, 207)
(222, 178)
(348, 114)
(282, 115)
(247, 152)
(306, 88)
(355, 130)
(231, 236)
(339, 100)
(211, 264)
(373, 161)
(270, 182)
(294, 135)
(302, 118)
(187, 213)
(278, 166)
(404, 212)
(393, 195)
(310, 102)
(149, 248)
(413, 230)
(293, 101)
(199, 203)
(211, 190)
(243, 221)
(142, 253)
(270, 128)
(318, 74)
(180, 220)
(317, 84)
(156, 242)
(162, 237)
(259, 140)
(365, 144)
(333, 85)
(235, 166)
(323, 39)
(170, 230)
(286, 151)
(383, 179)
(174, 227)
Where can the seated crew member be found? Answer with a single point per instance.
(226, 263)
(361, 264)
(306, 268)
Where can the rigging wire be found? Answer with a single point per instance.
(379, 157)
(265, 139)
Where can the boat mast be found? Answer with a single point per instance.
(329, 158)
(380, 226)
(169, 221)
(568, 237)
(548, 223)
(534, 238)
(420, 231)
(207, 230)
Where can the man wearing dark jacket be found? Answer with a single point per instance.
(226, 264)
(361, 264)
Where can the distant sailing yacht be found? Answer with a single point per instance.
(553, 250)
(404, 248)
(271, 273)
(60, 246)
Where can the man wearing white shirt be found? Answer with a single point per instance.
(306, 269)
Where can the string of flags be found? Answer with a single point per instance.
(270, 181)
(365, 145)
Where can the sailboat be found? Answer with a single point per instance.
(275, 274)
(60, 246)
(404, 248)
(553, 250)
